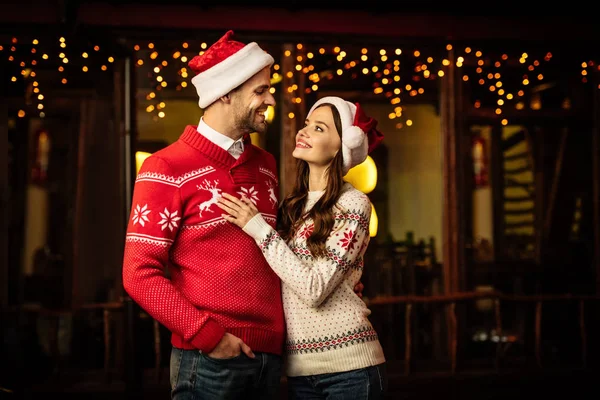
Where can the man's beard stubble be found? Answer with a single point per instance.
(247, 123)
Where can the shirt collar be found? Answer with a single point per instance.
(217, 138)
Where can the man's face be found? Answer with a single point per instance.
(250, 102)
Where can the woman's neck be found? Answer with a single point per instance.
(317, 179)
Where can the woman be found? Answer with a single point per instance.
(332, 349)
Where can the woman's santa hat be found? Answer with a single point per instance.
(359, 133)
(225, 66)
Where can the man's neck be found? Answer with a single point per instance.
(221, 124)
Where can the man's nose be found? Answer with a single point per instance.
(270, 100)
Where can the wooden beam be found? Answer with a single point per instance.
(558, 166)
(279, 19)
(4, 210)
(497, 181)
(596, 179)
(72, 278)
(295, 20)
(453, 211)
(30, 12)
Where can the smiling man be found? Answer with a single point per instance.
(222, 301)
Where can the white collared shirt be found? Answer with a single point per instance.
(217, 138)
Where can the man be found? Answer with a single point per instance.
(222, 302)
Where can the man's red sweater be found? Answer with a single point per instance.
(218, 280)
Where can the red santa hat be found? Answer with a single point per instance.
(225, 66)
(359, 133)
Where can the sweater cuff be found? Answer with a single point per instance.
(257, 227)
(209, 336)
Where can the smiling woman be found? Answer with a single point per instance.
(317, 250)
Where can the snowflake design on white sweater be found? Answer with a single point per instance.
(251, 193)
(169, 220)
(140, 214)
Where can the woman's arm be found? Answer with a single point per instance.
(312, 279)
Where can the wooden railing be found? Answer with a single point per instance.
(108, 311)
(449, 301)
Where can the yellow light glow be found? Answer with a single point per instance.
(276, 78)
(363, 176)
(269, 114)
(374, 222)
(140, 156)
(255, 139)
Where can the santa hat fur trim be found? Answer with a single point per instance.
(226, 65)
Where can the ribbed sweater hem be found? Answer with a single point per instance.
(339, 360)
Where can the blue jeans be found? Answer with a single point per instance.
(195, 376)
(360, 384)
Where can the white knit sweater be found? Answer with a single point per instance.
(327, 323)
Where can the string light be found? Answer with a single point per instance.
(381, 65)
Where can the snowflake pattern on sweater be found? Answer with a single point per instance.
(327, 323)
(219, 281)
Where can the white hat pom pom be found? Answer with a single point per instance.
(353, 137)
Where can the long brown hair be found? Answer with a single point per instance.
(291, 212)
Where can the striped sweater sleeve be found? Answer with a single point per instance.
(313, 279)
(155, 220)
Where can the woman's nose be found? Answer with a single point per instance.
(302, 132)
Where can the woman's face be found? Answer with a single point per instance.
(319, 141)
